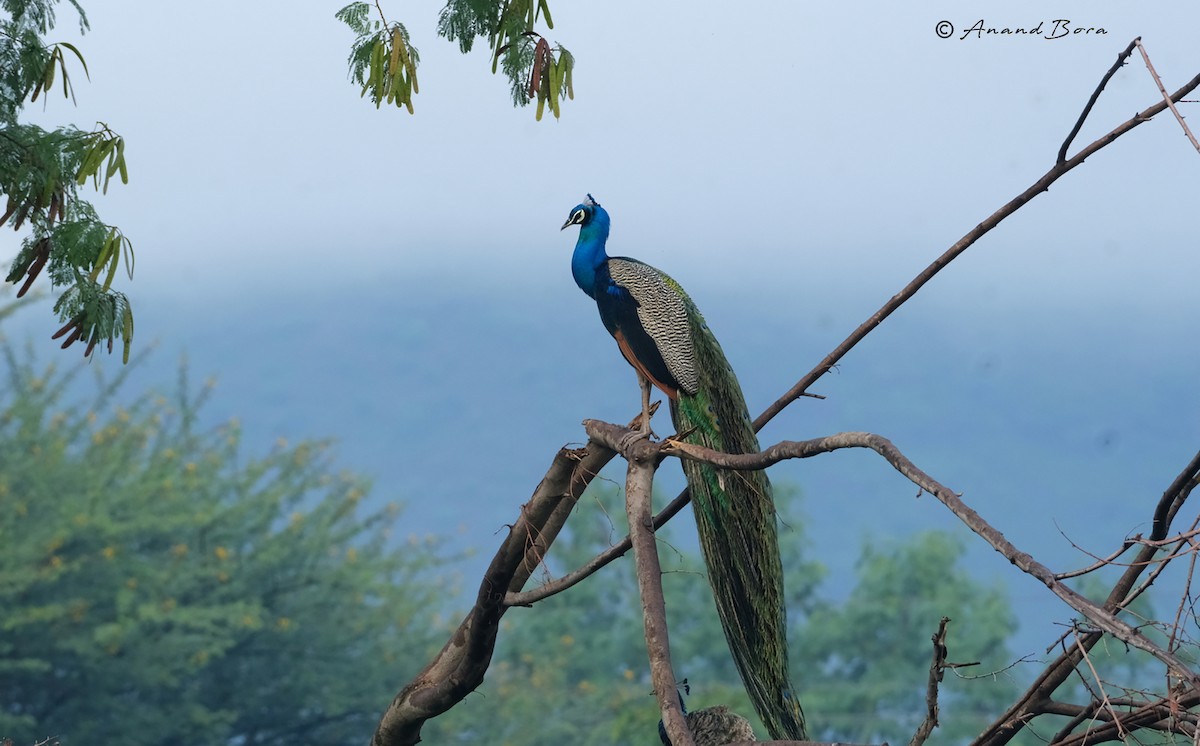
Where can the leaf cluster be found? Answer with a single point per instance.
(24, 58)
(535, 70)
(383, 61)
(148, 560)
(382, 58)
(40, 175)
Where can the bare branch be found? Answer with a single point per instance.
(1037, 698)
(1163, 90)
(459, 668)
(936, 668)
(1104, 620)
(1039, 186)
(1087, 109)
(1104, 701)
(1172, 500)
(638, 488)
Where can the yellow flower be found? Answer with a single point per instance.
(109, 552)
(179, 550)
(222, 553)
(283, 623)
(567, 640)
(351, 554)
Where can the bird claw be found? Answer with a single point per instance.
(633, 436)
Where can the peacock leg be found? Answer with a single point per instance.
(644, 431)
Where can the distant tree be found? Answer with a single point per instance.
(158, 586)
(866, 659)
(573, 670)
(41, 173)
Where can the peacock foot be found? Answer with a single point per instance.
(633, 436)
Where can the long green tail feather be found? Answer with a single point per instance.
(735, 517)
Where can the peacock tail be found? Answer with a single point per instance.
(735, 518)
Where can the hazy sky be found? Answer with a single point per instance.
(818, 145)
(825, 152)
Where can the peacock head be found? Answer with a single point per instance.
(587, 213)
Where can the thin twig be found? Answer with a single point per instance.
(1087, 109)
(1100, 686)
(1163, 90)
(936, 668)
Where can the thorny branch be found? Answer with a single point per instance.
(1162, 89)
(458, 669)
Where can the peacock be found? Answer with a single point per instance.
(663, 336)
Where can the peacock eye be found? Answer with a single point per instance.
(578, 216)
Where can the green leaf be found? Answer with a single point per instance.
(79, 56)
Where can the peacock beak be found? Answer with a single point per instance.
(570, 221)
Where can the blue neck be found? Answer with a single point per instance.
(589, 251)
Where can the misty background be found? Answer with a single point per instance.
(399, 282)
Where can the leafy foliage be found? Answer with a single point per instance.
(40, 175)
(383, 60)
(160, 588)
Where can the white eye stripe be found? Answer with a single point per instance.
(578, 216)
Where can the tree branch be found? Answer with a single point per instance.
(936, 667)
(1037, 698)
(1103, 619)
(459, 668)
(1039, 186)
(1158, 82)
(638, 488)
(1087, 109)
